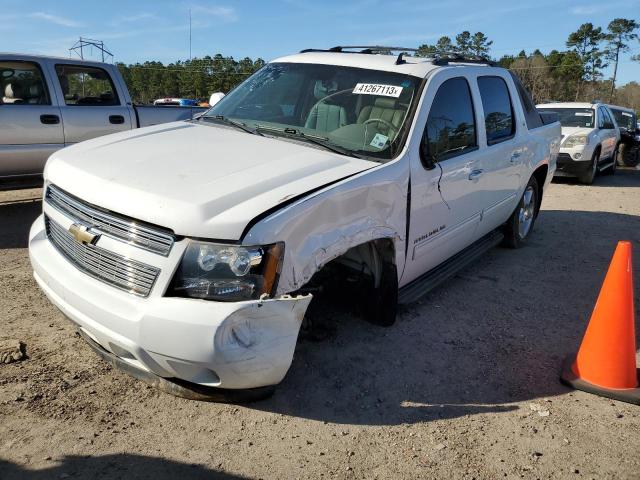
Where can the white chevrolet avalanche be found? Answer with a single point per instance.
(590, 139)
(188, 253)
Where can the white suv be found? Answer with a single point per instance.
(590, 139)
(188, 253)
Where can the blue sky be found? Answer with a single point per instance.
(159, 29)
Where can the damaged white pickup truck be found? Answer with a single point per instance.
(186, 253)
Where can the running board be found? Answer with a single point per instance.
(434, 277)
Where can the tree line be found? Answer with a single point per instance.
(571, 74)
(197, 78)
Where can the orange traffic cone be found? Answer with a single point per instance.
(606, 361)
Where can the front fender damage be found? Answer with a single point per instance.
(326, 225)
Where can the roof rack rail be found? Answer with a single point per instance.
(370, 49)
(457, 58)
(445, 59)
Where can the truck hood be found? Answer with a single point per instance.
(566, 131)
(199, 180)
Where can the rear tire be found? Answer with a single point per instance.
(587, 178)
(520, 224)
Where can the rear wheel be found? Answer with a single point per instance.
(520, 224)
(588, 177)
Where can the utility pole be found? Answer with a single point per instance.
(189, 34)
(78, 48)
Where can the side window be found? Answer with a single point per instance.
(608, 120)
(451, 128)
(624, 119)
(22, 83)
(602, 119)
(498, 112)
(86, 86)
(532, 116)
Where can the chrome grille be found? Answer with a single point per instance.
(119, 227)
(116, 270)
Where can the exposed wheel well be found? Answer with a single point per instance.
(366, 259)
(364, 275)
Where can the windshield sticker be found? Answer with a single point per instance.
(625, 114)
(377, 89)
(583, 114)
(379, 141)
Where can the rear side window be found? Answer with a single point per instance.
(531, 114)
(624, 119)
(22, 83)
(451, 127)
(86, 86)
(498, 112)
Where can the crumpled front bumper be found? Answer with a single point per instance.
(235, 345)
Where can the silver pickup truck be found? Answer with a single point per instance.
(48, 103)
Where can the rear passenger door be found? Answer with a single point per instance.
(30, 123)
(91, 105)
(504, 150)
(607, 133)
(445, 201)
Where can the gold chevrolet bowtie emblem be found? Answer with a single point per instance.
(82, 234)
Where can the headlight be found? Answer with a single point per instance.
(576, 141)
(227, 273)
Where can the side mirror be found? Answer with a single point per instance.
(215, 98)
(425, 155)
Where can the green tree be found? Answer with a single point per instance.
(480, 45)
(506, 61)
(586, 43)
(464, 43)
(444, 47)
(620, 32)
(426, 50)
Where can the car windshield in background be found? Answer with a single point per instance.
(573, 117)
(351, 110)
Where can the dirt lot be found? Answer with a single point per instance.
(460, 387)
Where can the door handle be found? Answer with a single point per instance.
(514, 157)
(116, 119)
(475, 174)
(50, 119)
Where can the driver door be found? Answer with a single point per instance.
(446, 201)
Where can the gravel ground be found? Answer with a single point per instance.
(463, 386)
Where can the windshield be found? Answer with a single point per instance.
(573, 117)
(353, 110)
